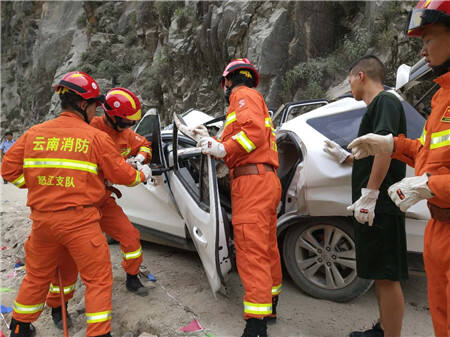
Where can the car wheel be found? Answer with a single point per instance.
(319, 255)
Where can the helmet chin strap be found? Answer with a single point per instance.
(228, 93)
(442, 68)
(80, 110)
(113, 123)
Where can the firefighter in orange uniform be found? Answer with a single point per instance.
(429, 155)
(122, 110)
(63, 163)
(248, 147)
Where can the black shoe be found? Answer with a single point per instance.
(272, 318)
(21, 329)
(105, 335)
(135, 286)
(376, 331)
(57, 317)
(255, 328)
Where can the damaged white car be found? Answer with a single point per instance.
(188, 203)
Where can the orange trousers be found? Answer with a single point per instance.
(115, 223)
(53, 237)
(254, 215)
(436, 256)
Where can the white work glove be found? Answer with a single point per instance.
(201, 131)
(371, 144)
(132, 161)
(335, 151)
(364, 207)
(409, 191)
(139, 158)
(146, 170)
(211, 146)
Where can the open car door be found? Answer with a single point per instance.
(196, 192)
(151, 207)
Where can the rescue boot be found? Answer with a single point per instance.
(272, 318)
(21, 329)
(135, 286)
(255, 328)
(376, 331)
(57, 317)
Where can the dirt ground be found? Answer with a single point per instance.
(181, 293)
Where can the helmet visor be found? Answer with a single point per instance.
(420, 17)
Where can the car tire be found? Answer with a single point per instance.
(328, 273)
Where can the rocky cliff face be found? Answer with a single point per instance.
(172, 53)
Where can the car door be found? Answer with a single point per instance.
(196, 192)
(151, 207)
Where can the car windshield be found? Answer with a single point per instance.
(343, 127)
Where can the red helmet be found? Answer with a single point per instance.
(81, 84)
(427, 12)
(121, 102)
(241, 64)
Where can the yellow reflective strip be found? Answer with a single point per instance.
(20, 181)
(126, 152)
(145, 149)
(55, 289)
(276, 290)
(422, 137)
(136, 116)
(230, 118)
(27, 309)
(124, 94)
(60, 163)
(132, 255)
(268, 123)
(258, 308)
(97, 317)
(137, 180)
(245, 142)
(440, 139)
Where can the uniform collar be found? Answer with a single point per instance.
(444, 80)
(71, 114)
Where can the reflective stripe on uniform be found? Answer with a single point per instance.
(126, 152)
(20, 181)
(440, 139)
(422, 137)
(137, 180)
(97, 317)
(258, 308)
(230, 118)
(245, 142)
(27, 309)
(60, 163)
(276, 290)
(55, 289)
(268, 123)
(145, 149)
(132, 255)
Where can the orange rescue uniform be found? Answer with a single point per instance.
(431, 153)
(249, 138)
(113, 220)
(63, 163)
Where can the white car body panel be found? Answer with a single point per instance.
(326, 184)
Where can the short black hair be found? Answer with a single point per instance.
(371, 66)
(242, 77)
(68, 98)
(8, 133)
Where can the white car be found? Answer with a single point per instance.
(188, 203)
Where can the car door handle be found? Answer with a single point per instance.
(199, 236)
